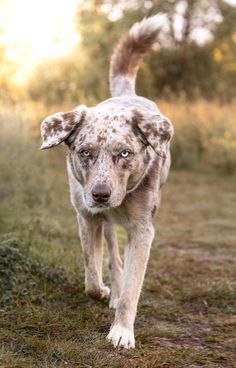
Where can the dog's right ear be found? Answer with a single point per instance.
(56, 128)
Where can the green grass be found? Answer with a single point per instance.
(186, 315)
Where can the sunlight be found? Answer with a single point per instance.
(33, 31)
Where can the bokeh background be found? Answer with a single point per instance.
(54, 55)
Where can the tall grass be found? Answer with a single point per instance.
(31, 183)
(205, 134)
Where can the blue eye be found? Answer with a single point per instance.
(124, 153)
(84, 153)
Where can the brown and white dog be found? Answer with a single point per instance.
(118, 159)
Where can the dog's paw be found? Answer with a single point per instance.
(121, 337)
(105, 292)
(113, 302)
(115, 294)
(98, 293)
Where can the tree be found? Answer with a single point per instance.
(195, 52)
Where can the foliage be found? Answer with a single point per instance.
(205, 134)
(21, 275)
(7, 90)
(181, 65)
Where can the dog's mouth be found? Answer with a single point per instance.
(98, 208)
(95, 206)
(100, 205)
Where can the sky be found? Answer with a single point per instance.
(33, 31)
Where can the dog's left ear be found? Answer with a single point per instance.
(56, 128)
(155, 129)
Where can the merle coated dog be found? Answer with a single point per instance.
(118, 160)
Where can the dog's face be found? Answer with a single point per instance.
(109, 150)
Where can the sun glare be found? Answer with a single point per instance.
(34, 31)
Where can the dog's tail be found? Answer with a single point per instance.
(130, 51)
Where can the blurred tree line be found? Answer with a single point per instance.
(6, 70)
(195, 54)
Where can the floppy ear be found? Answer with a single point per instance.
(155, 129)
(59, 126)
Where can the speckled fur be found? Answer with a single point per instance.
(95, 138)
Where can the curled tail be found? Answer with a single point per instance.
(130, 51)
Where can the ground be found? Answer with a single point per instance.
(187, 311)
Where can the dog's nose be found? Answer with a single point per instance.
(101, 193)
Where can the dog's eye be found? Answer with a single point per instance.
(84, 153)
(125, 153)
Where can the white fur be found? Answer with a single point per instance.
(106, 292)
(121, 337)
(148, 25)
(113, 303)
(122, 85)
(96, 210)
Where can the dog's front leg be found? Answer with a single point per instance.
(115, 264)
(136, 257)
(91, 234)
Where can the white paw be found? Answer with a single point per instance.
(121, 337)
(105, 292)
(113, 302)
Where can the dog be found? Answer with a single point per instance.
(118, 160)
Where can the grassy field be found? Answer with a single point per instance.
(187, 311)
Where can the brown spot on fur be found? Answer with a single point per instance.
(164, 131)
(73, 125)
(151, 177)
(137, 116)
(136, 120)
(70, 117)
(149, 129)
(114, 159)
(69, 126)
(146, 158)
(113, 118)
(129, 52)
(101, 138)
(54, 126)
(126, 165)
(154, 210)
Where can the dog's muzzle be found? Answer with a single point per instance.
(101, 193)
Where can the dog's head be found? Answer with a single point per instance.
(109, 149)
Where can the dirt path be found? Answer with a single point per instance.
(187, 311)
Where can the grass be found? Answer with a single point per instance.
(205, 134)
(186, 315)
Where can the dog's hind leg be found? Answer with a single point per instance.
(115, 263)
(91, 235)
